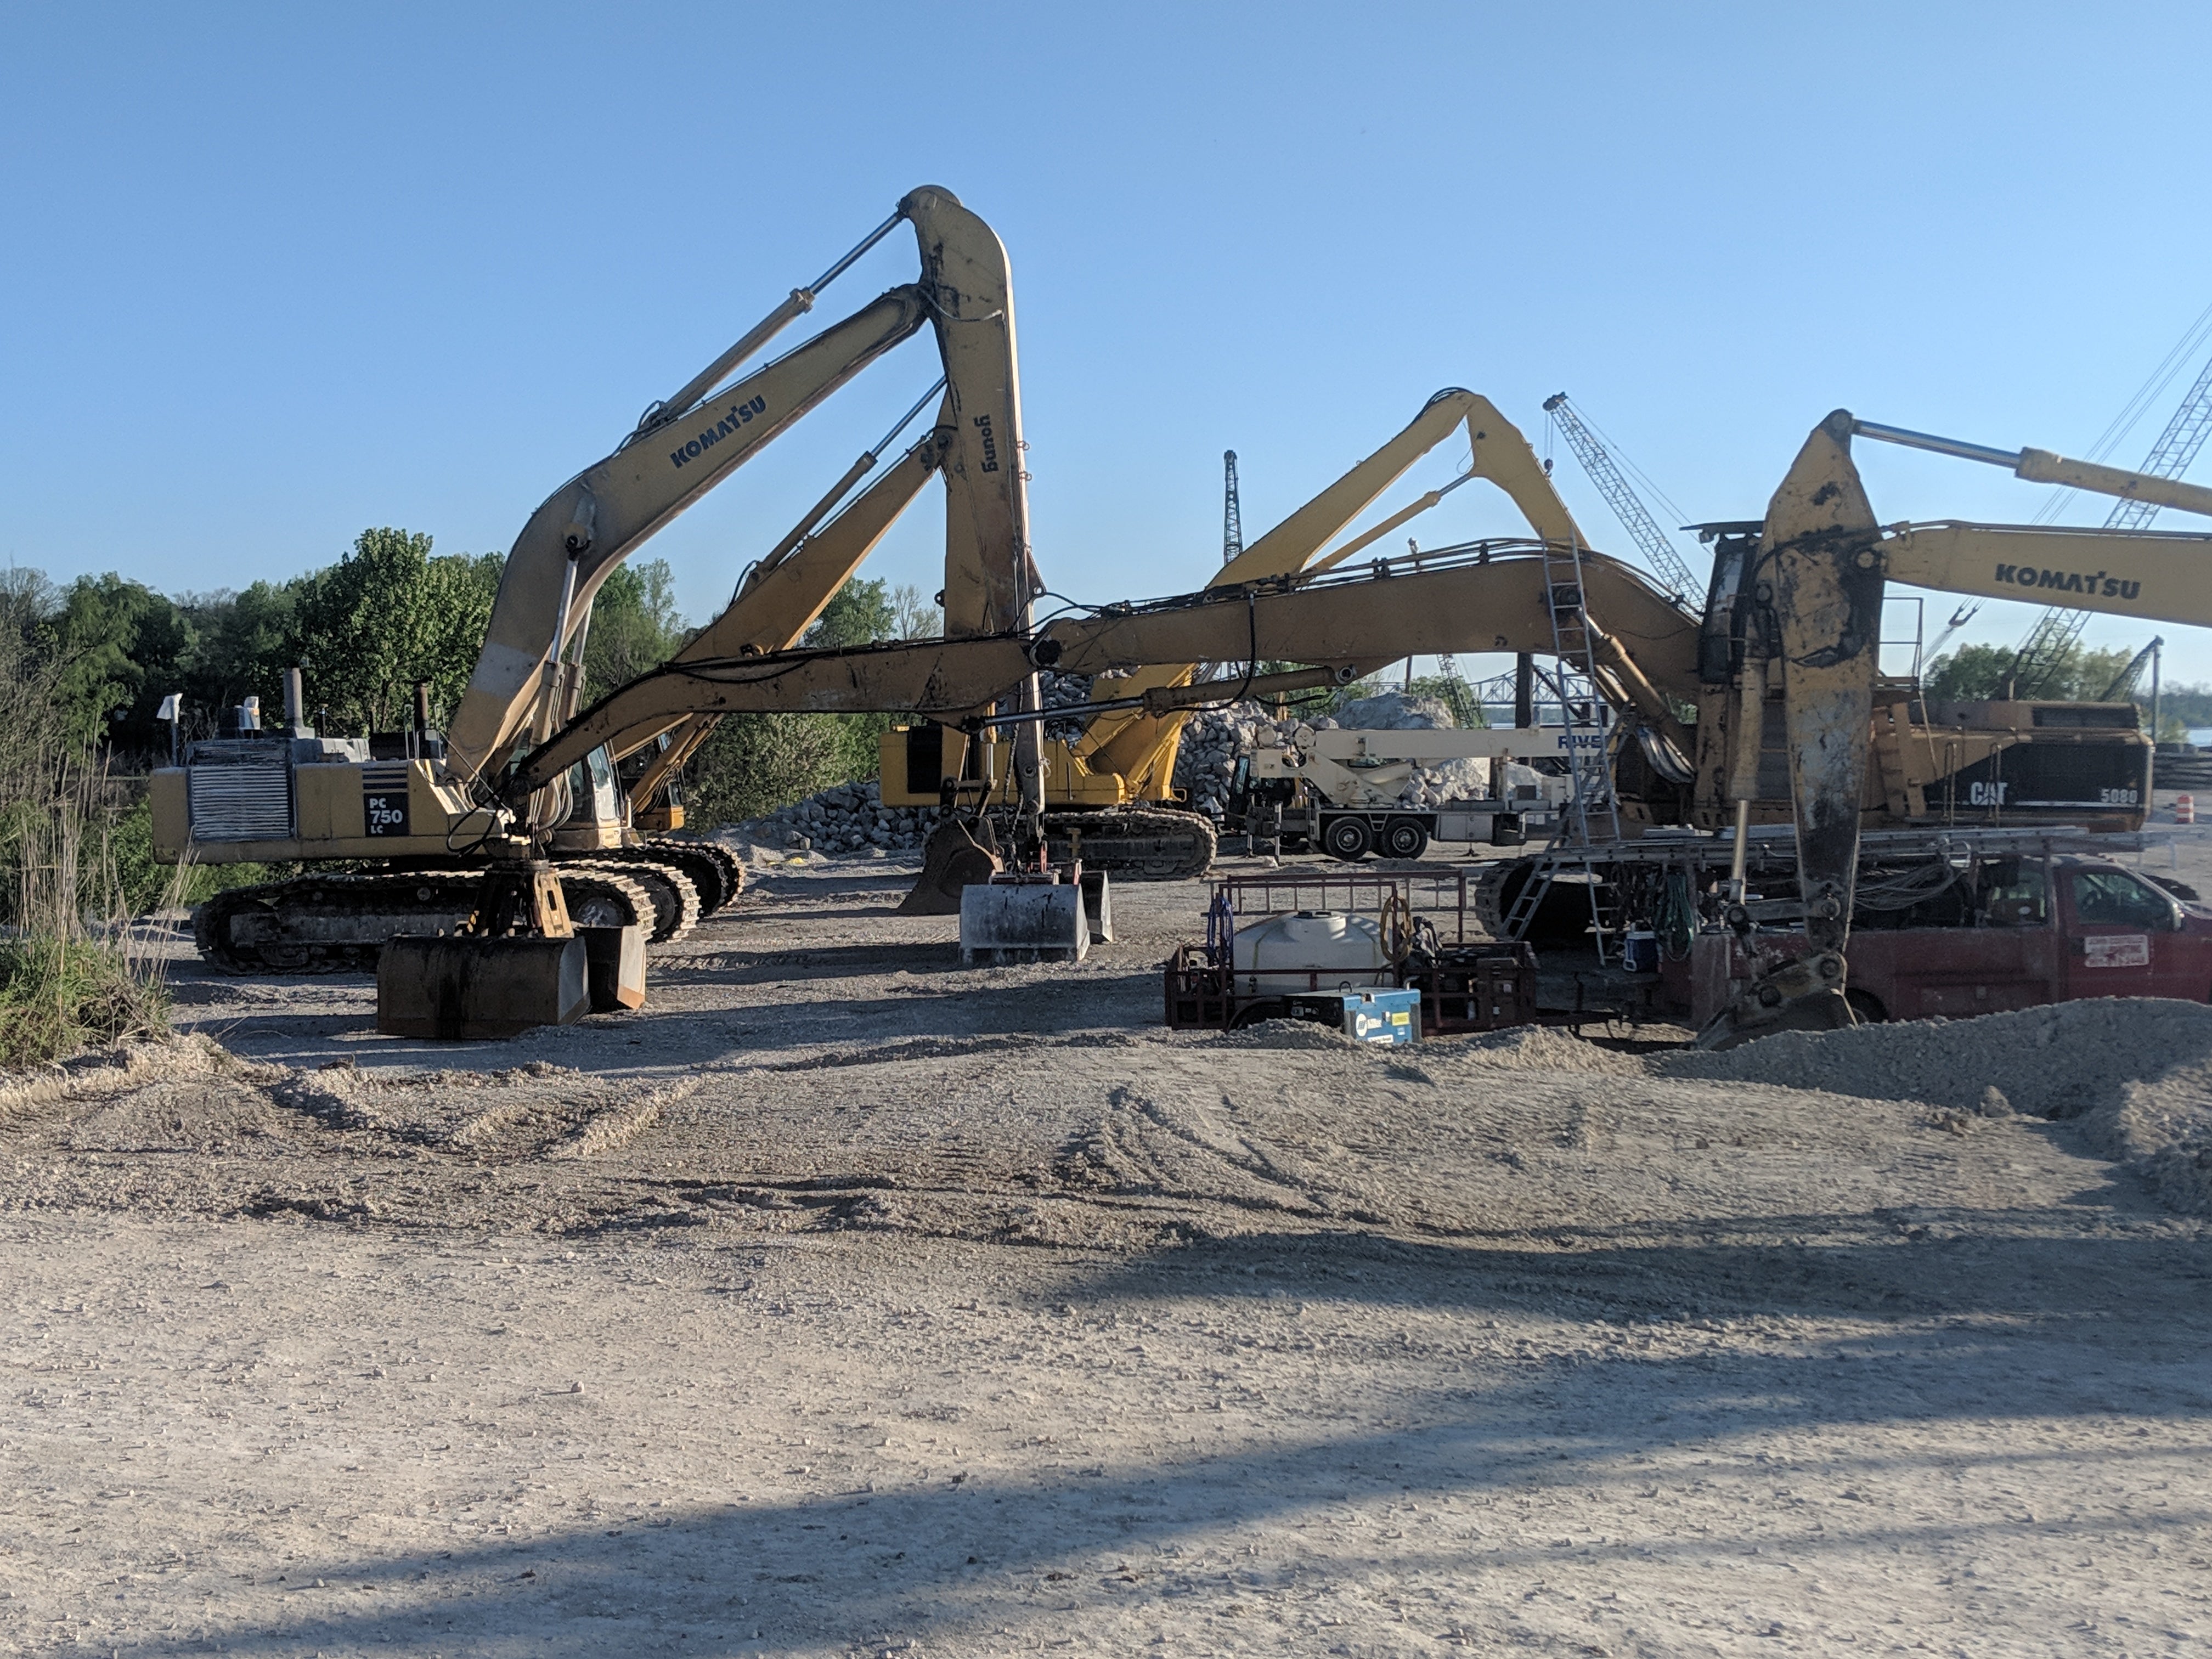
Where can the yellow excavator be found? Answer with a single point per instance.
(1109, 792)
(1820, 563)
(421, 807)
(1649, 659)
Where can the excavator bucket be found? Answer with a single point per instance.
(458, 986)
(518, 963)
(1098, 905)
(960, 852)
(614, 960)
(1023, 920)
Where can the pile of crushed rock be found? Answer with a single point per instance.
(2134, 1073)
(847, 819)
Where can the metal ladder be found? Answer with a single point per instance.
(1593, 814)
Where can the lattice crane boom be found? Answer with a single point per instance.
(1232, 513)
(2048, 643)
(1642, 527)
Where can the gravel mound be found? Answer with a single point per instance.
(2136, 1072)
(1536, 1048)
(1289, 1034)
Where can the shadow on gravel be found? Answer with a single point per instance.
(737, 964)
(1905, 1265)
(954, 1561)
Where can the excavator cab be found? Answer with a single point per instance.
(598, 816)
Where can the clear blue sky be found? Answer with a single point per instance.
(276, 273)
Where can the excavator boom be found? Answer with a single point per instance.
(1491, 597)
(1141, 748)
(605, 513)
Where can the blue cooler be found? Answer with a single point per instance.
(1390, 1017)
(1639, 951)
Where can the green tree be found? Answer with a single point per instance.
(635, 627)
(1978, 673)
(113, 643)
(1972, 673)
(242, 643)
(754, 763)
(386, 616)
(859, 613)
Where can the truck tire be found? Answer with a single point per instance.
(1866, 1008)
(1405, 838)
(1347, 838)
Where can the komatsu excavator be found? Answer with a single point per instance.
(424, 807)
(1110, 792)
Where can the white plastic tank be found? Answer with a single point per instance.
(1309, 951)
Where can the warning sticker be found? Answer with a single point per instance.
(2119, 950)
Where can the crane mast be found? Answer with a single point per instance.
(1642, 528)
(1233, 515)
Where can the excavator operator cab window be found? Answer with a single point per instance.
(605, 799)
(2017, 893)
(2114, 898)
(593, 796)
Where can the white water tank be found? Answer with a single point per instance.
(1309, 951)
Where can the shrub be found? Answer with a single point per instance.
(67, 976)
(60, 995)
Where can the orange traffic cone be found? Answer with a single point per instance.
(2185, 809)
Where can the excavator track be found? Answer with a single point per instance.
(674, 901)
(333, 924)
(714, 870)
(606, 898)
(337, 924)
(1152, 843)
(1562, 918)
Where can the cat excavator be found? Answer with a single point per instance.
(1819, 564)
(422, 809)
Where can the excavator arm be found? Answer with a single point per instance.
(781, 597)
(694, 441)
(1141, 747)
(1493, 598)
(1825, 560)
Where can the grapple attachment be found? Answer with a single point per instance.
(1803, 994)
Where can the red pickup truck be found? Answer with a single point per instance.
(2051, 928)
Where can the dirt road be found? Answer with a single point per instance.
(846, 1301)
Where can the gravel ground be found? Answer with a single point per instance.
(845, 1301)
